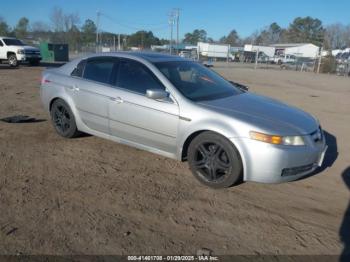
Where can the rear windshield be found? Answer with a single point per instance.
(14, 42)
(195, 81)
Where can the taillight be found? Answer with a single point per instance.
(44, 80)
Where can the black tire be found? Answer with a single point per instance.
(214, 160)
(63, 119)
(34, 62)
(12, 60)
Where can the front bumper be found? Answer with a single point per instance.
(269, 163)
(26, 57)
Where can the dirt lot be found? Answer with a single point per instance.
(92, 196)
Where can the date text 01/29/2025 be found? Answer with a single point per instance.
(173, 258)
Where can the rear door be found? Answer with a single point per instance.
(138, 119)
(91, 91)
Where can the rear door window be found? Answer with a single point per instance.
(78, 71)
(99, 69)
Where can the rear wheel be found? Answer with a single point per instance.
(214, 160)
(12, 59)
(63, 119)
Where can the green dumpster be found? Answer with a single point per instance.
(54, 52)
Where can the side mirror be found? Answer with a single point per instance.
(240, 86)
(157, 94)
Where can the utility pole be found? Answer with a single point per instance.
(97, 25)
(177, 16)
(256, 58)
(171, 23)
(228, 53)
(114, 43)
(118, 42)
(142, 33)
(319, 60)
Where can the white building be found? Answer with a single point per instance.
(268, 50)
(298, 49)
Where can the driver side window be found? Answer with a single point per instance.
(136, 77)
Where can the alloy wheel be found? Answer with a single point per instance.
(61, 118)
(211, 162)
(12, 61)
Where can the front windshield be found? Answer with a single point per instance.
(15, 42)
(195, 81)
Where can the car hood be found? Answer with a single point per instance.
(271, 114)
(29, 48)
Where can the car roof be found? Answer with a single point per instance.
(151, 57)
(7, 37)
(148, 56)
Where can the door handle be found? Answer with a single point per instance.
(73, 88)
(118, 100)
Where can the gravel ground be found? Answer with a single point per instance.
(92, 196)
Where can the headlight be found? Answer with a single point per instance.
(20, 51)
(277, 140)
(293, 140)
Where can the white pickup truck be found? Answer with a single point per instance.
(14, 51)
(284, 59)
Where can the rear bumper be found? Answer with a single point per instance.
(268, 163)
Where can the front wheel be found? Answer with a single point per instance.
(13, 62)
(214, 160)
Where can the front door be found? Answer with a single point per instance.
(138, 119)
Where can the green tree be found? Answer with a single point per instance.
(164, 41)
(210, 40)
(306, 30)
(275, 32)
(232, 39)
(143, 39)
(22, 28)
(4, 28)
(198, 35)
(270, 35)
(88, 31)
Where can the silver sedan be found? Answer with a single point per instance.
(180, 109)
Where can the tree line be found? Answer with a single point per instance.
(67, 28)
(301, 30)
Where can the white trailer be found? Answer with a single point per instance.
(307, 50)
(299, 50)
(267, 50)
(215, 51)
